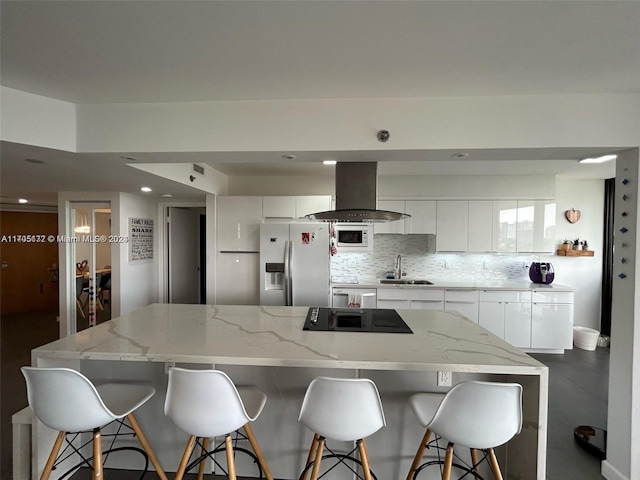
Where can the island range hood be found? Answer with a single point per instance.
(356, 193)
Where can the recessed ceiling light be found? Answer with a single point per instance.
(145, 189)
(288, 156)
(329, 162)
(129, 159)
(459, 155)
(166, 195)
(602, 159)
(23, 200)
(34, 160)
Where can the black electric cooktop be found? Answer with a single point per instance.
(380, 320)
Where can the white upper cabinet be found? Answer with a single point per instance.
(480, 226)
(505, 219)
(239, 220)
(279, 207)
(536, 226)
(306, 204)
(423, 216)
(294, 206)
(452, 225)
(390, 227)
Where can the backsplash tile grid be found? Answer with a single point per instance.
(417, 263)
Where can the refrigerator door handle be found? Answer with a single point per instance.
(290, 273)
(287, 273)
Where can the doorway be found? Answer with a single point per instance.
(185, 255)
(90, 259)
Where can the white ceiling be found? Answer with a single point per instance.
(148, 51)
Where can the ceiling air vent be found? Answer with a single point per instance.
(198, 169)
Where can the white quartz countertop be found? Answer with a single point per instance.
(475, 285)
(273, 336)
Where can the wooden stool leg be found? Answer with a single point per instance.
(474, 462)
(205, 448)
(312, 454)
(258, 451)
(448, 461)
(147, 446)
(418, 458)
(231, 466)
(364, 458)
(318, 459)
(52, 456)
(185, 457)
(97, 454)
(493, 461)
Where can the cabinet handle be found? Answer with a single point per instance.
(454, 301)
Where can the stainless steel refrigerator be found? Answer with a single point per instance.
(294, 264)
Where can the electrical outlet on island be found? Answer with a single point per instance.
(444, 379)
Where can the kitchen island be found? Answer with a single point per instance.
(266, 347)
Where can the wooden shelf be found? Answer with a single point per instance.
(575, 253)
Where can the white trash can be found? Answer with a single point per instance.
(585, 338)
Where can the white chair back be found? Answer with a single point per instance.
(65, 400)
(480, 415)
(342, 409)
(204, 403)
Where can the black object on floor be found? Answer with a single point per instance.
(592, 439)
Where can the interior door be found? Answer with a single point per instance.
(28, 262)
(184, 255)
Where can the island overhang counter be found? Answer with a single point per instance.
(267, 347)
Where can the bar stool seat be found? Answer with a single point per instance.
(67, 401)
(344, 410)
(479, 415)
(206, 404)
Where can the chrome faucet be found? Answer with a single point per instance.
(399, 266)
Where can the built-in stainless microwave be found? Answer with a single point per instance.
(354, 237)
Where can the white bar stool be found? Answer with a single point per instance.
(65, 400)
(206, 404)
(345, 410)
(480, 415)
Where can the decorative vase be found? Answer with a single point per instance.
(564, 246)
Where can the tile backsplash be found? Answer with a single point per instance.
(417, 263)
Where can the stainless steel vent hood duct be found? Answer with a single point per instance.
(356, 192)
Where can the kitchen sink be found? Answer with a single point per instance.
(398, 281)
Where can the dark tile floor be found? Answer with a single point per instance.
(578, 395)
(578, 391)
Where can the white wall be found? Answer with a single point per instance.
(540, 121)
(136, 284)
(584, 274)
(35, 120)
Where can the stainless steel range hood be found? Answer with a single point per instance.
(356, 192)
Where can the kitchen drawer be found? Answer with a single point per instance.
(461, 295)
(410, 294)
(427, 304)
(512, 296)
(552, 297)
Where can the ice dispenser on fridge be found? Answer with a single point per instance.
(274, 276)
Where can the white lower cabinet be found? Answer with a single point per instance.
(507, 314)
(462, 301)
(552, 320)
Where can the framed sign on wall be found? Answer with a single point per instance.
(140, 239)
